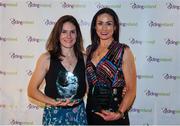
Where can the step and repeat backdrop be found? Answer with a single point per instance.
(150, 27)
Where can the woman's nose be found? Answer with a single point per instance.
(69, 35)
(104, 26)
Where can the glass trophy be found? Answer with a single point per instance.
(106, 97)
(67, 85)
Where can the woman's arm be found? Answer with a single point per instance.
(37, 78)
(129, 71)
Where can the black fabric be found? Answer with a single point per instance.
(105, 97)
(51, 77)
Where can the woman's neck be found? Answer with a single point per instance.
(68, 52)
(105, 43)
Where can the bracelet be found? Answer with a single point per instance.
(121, 114)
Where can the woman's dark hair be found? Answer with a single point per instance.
(94, 37)
(53, 45)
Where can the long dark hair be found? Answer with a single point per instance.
(95, 40)
(53, 45)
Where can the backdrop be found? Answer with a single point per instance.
(150, 27)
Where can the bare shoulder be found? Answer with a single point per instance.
(84, 56)
(44, 60)
(128, 55)
(44, 56)
(88, 49)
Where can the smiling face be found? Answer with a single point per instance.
(68, 35)
(105, 27)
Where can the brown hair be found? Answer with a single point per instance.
(94, 37)
(53, 45)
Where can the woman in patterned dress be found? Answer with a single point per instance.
(63, 69)
(110, 67)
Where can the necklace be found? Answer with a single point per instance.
(69, 63)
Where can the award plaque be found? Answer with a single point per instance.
(106, 97)
(67, 85)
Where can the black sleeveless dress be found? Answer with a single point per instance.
(62, 84)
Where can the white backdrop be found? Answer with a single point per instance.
(150, 27)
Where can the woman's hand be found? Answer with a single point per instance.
(65, 102)
(109, 116)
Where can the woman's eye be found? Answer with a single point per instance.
(109, 23)
(63, 31)
(73, 31)
(99, 23)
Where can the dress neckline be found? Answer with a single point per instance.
(68, 70)
(109, 49)
(95, 65)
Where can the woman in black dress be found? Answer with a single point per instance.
(110, 67)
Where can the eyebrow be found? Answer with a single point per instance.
(68, 30)
(105, 22)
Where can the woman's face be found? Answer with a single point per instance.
(68, 35)
(105, 27)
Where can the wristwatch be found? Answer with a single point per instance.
(121, 114)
